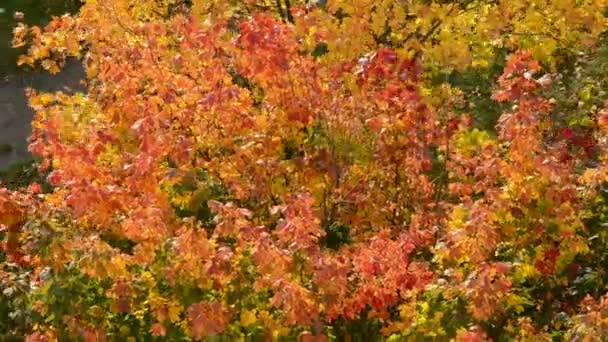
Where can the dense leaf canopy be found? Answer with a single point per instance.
(335, 170)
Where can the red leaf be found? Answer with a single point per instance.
(566, 133)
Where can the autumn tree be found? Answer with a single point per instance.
(282, 170)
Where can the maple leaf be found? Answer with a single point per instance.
(300, 164)
(206, 319)
(158, 330)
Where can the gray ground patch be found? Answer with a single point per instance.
(15, 113)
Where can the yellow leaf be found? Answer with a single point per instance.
(280, 331)
(248, 317)
(525, 271)
(174, 312)
(516, 302)
(25, 60)
(91, 71)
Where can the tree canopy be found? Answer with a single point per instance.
(330, 170)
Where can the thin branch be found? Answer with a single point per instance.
(280, 10)
(288, 12)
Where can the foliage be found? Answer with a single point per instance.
(32, 12)
(20, 175)
(313, 172)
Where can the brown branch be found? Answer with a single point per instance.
(280, 10)
(288, 12)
